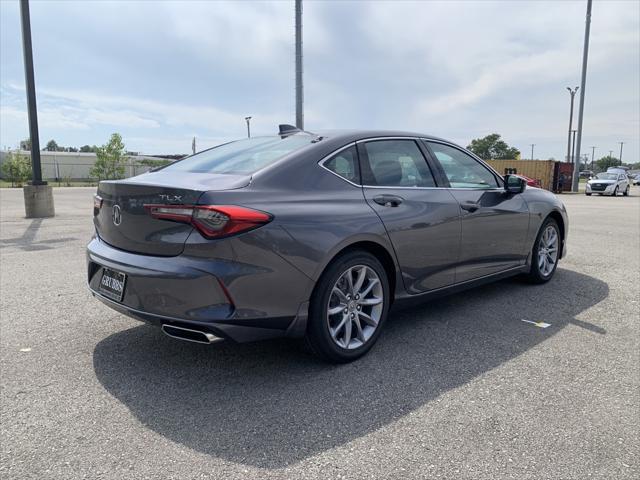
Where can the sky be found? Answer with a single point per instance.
(160, 73)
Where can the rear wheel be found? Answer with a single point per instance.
(348, 307)
(588, 194)
(545, 253)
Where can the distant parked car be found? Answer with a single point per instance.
(586, 174)
(636, 179)
(530, 181)
(608, 183)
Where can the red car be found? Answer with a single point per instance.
(530, 181)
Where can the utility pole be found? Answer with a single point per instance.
(532, 145)
(299, 90)
(593, 154)
(610, 153)
(573, 93)
(585, 56)
(248, 120)
(573, 149)
(38, 196)
(621, 143)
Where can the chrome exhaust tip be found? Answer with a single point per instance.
(190, 335)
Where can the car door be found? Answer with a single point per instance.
(624, 182)
(422, 221)
(494, 222)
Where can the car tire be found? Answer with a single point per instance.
(542, 272)
(626, 191)
(588, 194)
(361, 319)
(615, 192)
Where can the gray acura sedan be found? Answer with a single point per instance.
(314, 236)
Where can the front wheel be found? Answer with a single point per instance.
(615, 192)
(545, 253)
(348, 307)
(626, 191)
(588, 194)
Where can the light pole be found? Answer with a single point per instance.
(299, 87)
(593, 154)
(573, 93)
(532, 145)
(38, 196)
(610, 153)
(585, 56)
(621, 143)
(248, 120)
(573, 149)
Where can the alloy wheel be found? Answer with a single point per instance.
(548, 250)
(355, 307)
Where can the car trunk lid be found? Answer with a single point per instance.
(123, 222)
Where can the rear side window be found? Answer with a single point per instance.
(345, 164)
(241, 157)
(395, 163)
(462, 170)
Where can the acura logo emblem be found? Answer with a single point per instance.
(116, 215)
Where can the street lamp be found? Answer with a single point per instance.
(621, 143)
(573, 149)
(573, 93)
(532, 145)
(248, 120)
(593, 153)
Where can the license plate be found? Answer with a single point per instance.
(112, 284)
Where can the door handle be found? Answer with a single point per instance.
(470, 206)
(388, 200)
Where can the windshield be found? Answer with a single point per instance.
(241, 157)
(607, 176)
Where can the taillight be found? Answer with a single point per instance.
(97, 204)
(213, 221)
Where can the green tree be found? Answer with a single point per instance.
(25, 144)
(88, 148)
(52, 146)
(111, 159)
(16, 168)
(493, 147)
(605, 162)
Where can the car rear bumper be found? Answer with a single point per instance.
(216, 295)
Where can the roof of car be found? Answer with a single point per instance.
(362, 134)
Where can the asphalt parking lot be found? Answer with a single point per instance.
(457, 388)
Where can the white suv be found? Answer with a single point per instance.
(608, 183)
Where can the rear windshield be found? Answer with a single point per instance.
(241, 157)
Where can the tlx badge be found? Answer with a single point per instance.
(170, 198)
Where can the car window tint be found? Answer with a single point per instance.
(345, 164)
(462, 170)
(396, 163)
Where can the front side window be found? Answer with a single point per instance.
(241, 157)
(345, 164)
(395, 163)
(462, 170)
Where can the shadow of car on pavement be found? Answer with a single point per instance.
(271, 404)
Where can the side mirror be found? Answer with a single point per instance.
(514, 184)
